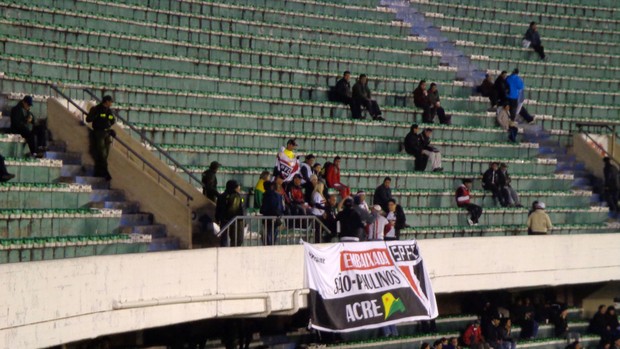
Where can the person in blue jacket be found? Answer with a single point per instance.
(515, 87)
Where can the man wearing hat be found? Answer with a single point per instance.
(102, 119)
(209, 181)
(539, 223)
(377, 229)
(23, 124)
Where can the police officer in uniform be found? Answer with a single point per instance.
(102, 119)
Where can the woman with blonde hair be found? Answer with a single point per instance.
(318, 200)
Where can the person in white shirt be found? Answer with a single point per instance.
(318, 200)
(376, 229)
(361, 195)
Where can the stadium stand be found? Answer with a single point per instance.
(231, 82)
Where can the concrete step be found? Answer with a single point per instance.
(66, 157)
(155, 230)
(98, 195)
(94, 182)
(70, 171)
(164, 244)
(128, 207)
(135, 219)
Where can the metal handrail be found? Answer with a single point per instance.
(149, 142)
(311, 227)
(176, 187)
(580, 127)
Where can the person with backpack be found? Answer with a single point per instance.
(230, 205)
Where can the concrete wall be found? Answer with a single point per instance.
(47, 303)
(139, 182)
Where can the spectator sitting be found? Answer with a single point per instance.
(412, 147)
(318, 201)
(533, 37)
(501, 88)
(378, 225)
(397, 219)
(351, 225)
(363, 98)
(24, 124)
(306, 168)
(342, 90)
(4, 174)
(259, 189)
(332, 175)
(515, 88)
(436, 108)
(491, 333)
(438, 344)
(539, 223)
(472, 337)
(272, 205)
(309, 188)
(209, 181)
(493, 180)
(503, 119)
(383, 194)
(297, 203)
(453, 343)
(425, 346)
(422, 101)
(505, 331)
(487, 89)
(561, 323)
(510, 192)
(230, 205)
(429, 151)
(610, 175)
(330, 217)
(463, 200)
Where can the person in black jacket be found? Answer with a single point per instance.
(436, 108)
(273, 205)
(598, 323)
(383, 194)
(4, 173)
(430, 151)
(487, 89)
(351, 224)
(501, 87)
(363, 98)
(342, 91)
(230, 205)
(561, 323)
(533, 36)
(493, 180)
(412, 147)
(610, 174)
(24, 124)
(102, 119)
(209, 181)
(397, 219)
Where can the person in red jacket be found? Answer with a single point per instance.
(333, 179)
(463, 200)
(473, 337)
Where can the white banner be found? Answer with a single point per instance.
(364, 285)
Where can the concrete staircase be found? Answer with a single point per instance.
(133, 220)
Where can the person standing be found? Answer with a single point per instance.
(209, 181)
(463, 200)
(102, 119)
(533, 36)
(436, 108)
(501, 88)
(378, 226)
(363, 98)
(24, 124)
(287, 164)
(539, 223)
(383, 194)
(351, 227)
(397, 219)
(272, 206)
(610, 175)
(259, 189)
(515, 87)
(230, 205)
(4, 173)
